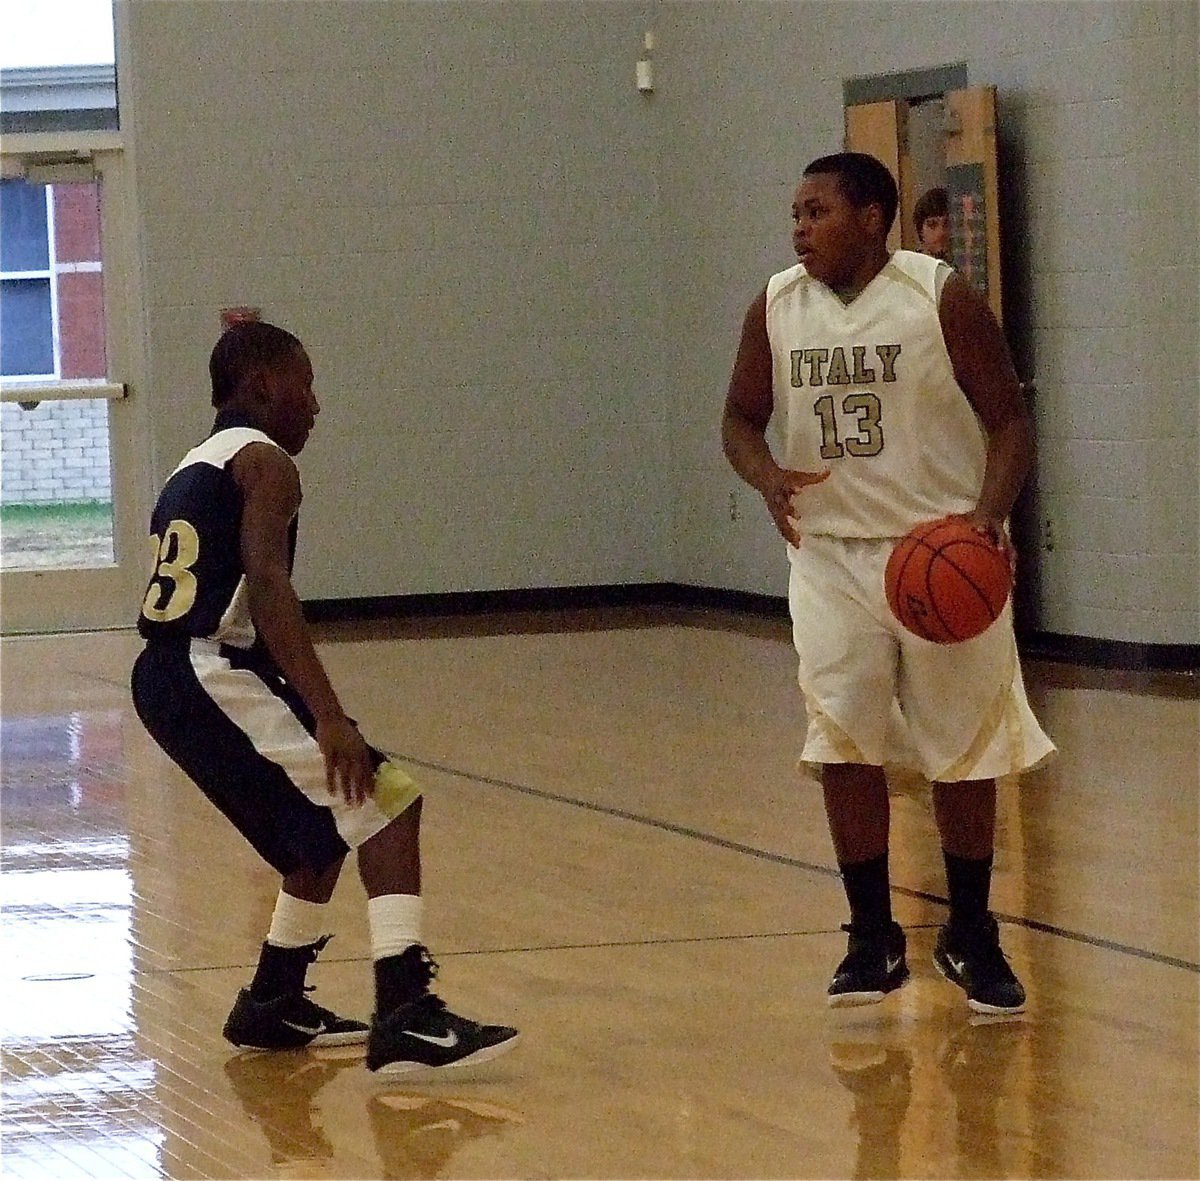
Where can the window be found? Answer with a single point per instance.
(56, 480)
(26, 289)
(51, 281)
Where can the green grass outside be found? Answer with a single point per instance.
(66, 511)
(68, 533)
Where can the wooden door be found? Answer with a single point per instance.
(971, 183)
(969, 167)
(881, 129)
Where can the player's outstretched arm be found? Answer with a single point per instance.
(983, 368)
(270, 487)
(749, 404)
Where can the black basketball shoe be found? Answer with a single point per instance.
(874, 966)
(422, 1034)
(289, 1020)
(970, 957)
(425, 1035)
(287, 1023)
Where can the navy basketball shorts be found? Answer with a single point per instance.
(241, 733)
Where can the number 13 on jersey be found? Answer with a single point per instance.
(867, 439)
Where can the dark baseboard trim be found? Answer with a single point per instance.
(1083, 650)
(1117, 654)
(551, 598)
(715, 598)
(554, 598)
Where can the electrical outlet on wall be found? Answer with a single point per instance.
(735, 512)
(1049, 537)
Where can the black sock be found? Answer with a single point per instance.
(969, 881)
(866, 886)
(280, 970)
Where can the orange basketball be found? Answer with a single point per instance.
(945, 582)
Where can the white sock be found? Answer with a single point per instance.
(297, 923)
(395, 922)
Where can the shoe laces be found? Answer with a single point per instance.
(310, 1008)
(981, 943)
(312, 950)
(430, 1003)
(862, 951)
(864, 940)
(424, 968)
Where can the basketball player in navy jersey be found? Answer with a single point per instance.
(898, 403)
(230, 686)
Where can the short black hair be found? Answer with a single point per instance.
(864, 181)
(243, 348)
(933, 203)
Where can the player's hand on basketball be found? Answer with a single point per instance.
(778, 491)
(993, 529)
(349, 771)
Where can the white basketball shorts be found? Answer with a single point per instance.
(876, 694)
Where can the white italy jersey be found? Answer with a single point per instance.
(867, 390)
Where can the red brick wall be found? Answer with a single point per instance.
(80, 292)
(77, 222)
(81, 324)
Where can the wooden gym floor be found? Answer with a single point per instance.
(622, 859)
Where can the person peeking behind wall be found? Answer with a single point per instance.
(931, 216)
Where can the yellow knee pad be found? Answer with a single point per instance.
(395, 790)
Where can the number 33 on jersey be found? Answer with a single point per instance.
(198, 587)
(172, 591)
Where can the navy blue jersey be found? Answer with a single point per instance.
(198, 588)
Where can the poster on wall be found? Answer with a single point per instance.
(968, 222)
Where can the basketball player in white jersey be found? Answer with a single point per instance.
(896, 402)
(230, 686)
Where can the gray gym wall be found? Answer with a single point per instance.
(455, 206)
(1098, 130)
(522, 281)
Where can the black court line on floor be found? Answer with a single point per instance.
(708, 838)
(599, 945)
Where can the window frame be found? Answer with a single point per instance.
(79, 598)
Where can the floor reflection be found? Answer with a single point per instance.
(963, 1092)
(277, 1092)
(418, 1135)
(880, 1079)
(75, 1080)
(992, 1108)
(415, 1134)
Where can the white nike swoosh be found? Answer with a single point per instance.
(446, 1041)
(892, 965)
(957, 965)
(309, 1029)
